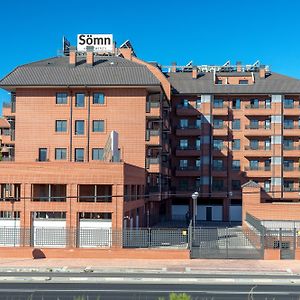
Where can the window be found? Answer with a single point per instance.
(98, 126)
(267, 124)
(98, 98)
(198, 163)
(79, 154)
(288, 185)
(268, 103)
(60, 153)
(218, 103)
(267, 185)
(236, 165)
(288, 124)
(183, 144)
(61, 98)
(185, 103)
(97, 154)
(254, 144)
(288, 103)
(218, 164)
(254, 124)
(42, 154)
(219, 81)
(254, 103)
(236, 124)
(288, 165)
(268, 165)
(218, 144)
(183, 163)
(184, 123)
(183, 185)
(243, 81)
(48, 192)
(267, 144)
(198, 103)
(236, 185)
(98, 193)
(218, 123)
(236, 144)
(236, 103)
(198, 123)
(288, 144)
(217, 184)
(79, 127)
(61, 126)
(253, 164)
(198, 144)
(79, 100)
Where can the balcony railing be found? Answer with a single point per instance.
(219, 168)
(257, 127)
(189, 127)
(290, 168)
(249, 147)
(153, 160)
(221, 147)
(152, 132)
(188, 168)
(7, 158)
(254, 168)
(260, 106)
(289, 189)
(290, 148)
(188, 148)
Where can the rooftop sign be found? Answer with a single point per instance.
(100, 42)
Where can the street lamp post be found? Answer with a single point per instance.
(194, 197)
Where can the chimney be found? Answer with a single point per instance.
(239, 66)
(126, 52)
(194, 72)
(262, 71)
(90, 55)
(173, 68)
(72, 56)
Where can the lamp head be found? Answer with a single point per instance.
(195, 195)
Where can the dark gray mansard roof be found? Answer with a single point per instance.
(183, 83)
(107, 71)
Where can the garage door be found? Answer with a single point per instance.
(94, 233)
(49, 233)
(10, 232)
(235, 213)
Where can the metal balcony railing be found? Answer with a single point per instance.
(188, 168)
(219, 168)
(259, 106)
(289, 148)
(189, 127)
(257, 127)
(249, 147)
(188, 148)
(254, 168)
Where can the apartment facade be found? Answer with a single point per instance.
(232, 125)
(208, 129)
(57, 163)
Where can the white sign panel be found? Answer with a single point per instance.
(100, 42)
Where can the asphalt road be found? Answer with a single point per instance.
(116, 291)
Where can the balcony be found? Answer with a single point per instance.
(258, 110)
(188, 131)
(220, 131)
(219, 150)
(186, 110)
(153, 164)
(291, 131)
(189, 171)
(219, 171)
(153, 136)
(292, 110)
(291, 151)
(8, 158)
(220, 111)
(188, 151)
(253, 171)
(258, 151)
(260, 130)
(153, 109)
(186, 190)
(292, 172)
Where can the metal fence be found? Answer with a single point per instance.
(94, 237)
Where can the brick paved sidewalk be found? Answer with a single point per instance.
(197, 265)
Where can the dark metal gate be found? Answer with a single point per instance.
(226, 243)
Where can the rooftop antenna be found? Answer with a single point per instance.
(66, 46)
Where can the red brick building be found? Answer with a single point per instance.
(181, 129)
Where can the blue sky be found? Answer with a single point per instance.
(207, 32)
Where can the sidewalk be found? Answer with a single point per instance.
(286, 267)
